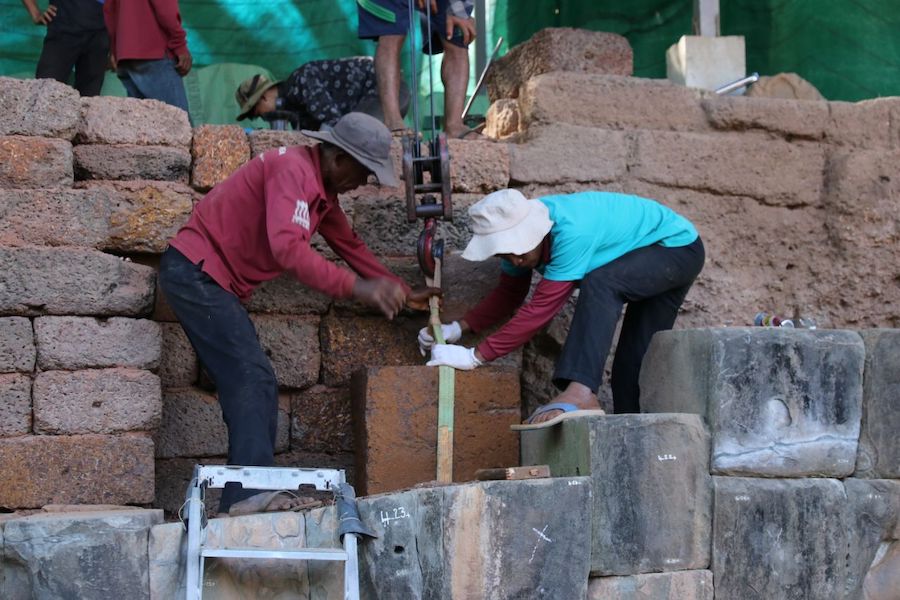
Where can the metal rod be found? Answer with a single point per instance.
(734, 85)
(430, 68)
(414, 87)
(481, 79)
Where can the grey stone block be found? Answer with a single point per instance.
(651, 487)
(779, 539)
(879, 444)
(15, 404)
(873, 507)
(54, 217)
(38, 107)
(494, 540)
(779, 402)
(96, 401)
(178, 365)
(74, 343)
(292, 344)
(115, 120)
(78, 555)
(129, 161)
(60, 281)
(17, 351)
(678, 585)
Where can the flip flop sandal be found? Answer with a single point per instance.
(569, 411)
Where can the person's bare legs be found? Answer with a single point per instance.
(575, 393)
(387, 75)
(455, 76)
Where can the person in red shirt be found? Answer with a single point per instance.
(254, 226)
(148, 48)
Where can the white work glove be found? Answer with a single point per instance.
(452, 332)
(458, 357)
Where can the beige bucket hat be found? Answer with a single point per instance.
(249, 93)
(506, 222)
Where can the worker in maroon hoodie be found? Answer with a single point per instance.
(148, 48)
(254, 226)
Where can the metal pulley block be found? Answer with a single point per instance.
(437, 165)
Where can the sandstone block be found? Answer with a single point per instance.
(15, 404)
(115, 120)
(609, 102)
(192, 425)
(422, 550)
(292, 344)
(320, 420)
(144, 215)
(382, 225)
(873, 507)
(38, 107)
(395, 424)
(503, 118)
(678, 585)
(39, 281)
(782, 538)
(99, 554)
(866, 124)
(130, 161)
(478, 167)
(559, 49)
(54, 217)
(79, 469)
(879, 446)
(263, 140)
(35, 162)
(563, 153)
(96, 401)
(349, 343)
(286, 295)
(73, 343)
(787, 118)
(772, 171)
(17, 351)
(778, 402)
(789, 86)
(218, 151)
(630, 459)
(178, 365)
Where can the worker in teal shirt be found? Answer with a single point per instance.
(616, 248)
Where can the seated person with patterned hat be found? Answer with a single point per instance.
(318, 93)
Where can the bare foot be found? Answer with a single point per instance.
(575, 393)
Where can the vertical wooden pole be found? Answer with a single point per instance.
(446, 390)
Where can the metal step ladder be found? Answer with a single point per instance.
(263, 478)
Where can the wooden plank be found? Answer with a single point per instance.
(513, 473)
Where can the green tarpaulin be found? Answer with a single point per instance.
(849, 49)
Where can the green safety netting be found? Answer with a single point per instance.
(849, 49)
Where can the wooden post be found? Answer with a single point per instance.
(446, 389)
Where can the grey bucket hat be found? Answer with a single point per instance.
(366, 139)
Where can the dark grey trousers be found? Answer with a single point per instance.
(653, 281)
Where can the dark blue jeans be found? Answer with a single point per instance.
(654, 281)
(153, 79)
(225, 340)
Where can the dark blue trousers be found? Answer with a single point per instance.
(653, 281)
(225, 340)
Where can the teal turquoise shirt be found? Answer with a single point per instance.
(591, 229)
